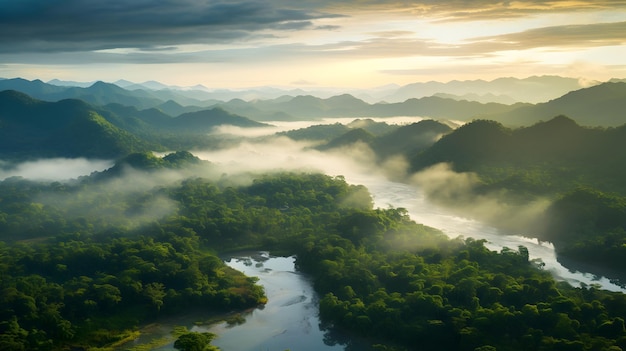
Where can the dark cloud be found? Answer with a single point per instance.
(79, 25)
(85, 31)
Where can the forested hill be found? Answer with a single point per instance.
(385, 140)
(581, 170)
(600, 105)
(582, 155)
(31, 128)
(85, 263)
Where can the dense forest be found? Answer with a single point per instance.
(73, 276)
(581, 170)
(84, 263)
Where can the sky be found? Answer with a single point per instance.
(310, 43)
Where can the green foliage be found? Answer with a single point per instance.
(454, 295)
(590, 226)
(582, 168)
(194, 341)
(69, 128)
(349, 138)
(548, 157)
(93, 268)
(87, 280)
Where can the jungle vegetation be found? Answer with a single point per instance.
(82, 265)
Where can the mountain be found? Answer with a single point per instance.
(68, 128)
(436, 107)
(173, 108)
(373, 127)
(600, 105)
(321, 132)
(250, 110)
(349, 138)
(141, 122)
(306, 107)
(410, 139)
(99, 93)
(482, 98)
(559, 147)
(532, 89)
(396, 140)
(147, 161)
(35, 88)
(152, 121)
(475, 143)
(204, 121)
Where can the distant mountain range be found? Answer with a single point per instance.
(69, 128)
(502, 90)
(600, 105)
(104, 120)
(597, 105)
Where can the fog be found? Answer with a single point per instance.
(284, 154)
(53, 169)
(261, 151)
(458, 192)
(437, 197)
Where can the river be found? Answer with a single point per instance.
(289, 320)
(396, 194)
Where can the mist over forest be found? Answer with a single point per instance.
(119, 201)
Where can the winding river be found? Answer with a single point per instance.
(288, 321)
(290, 318)
(387, 193)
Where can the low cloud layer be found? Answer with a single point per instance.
(457, 191)
(54, 169)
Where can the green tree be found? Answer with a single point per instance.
(194, 341)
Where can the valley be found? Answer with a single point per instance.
(455, 223)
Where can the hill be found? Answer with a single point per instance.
(69, 128)
(99, 93)
(557, 149)
(204, 121)
(349, 138)
(411, 139)
(532, 89)
(600, 105)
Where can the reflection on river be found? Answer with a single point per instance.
(290, 318)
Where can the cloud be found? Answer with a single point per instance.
(284, 154)
(77, 25)
(126, 200)
(582, 35)
(53, 169)
(479, 10)
(458, 192)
